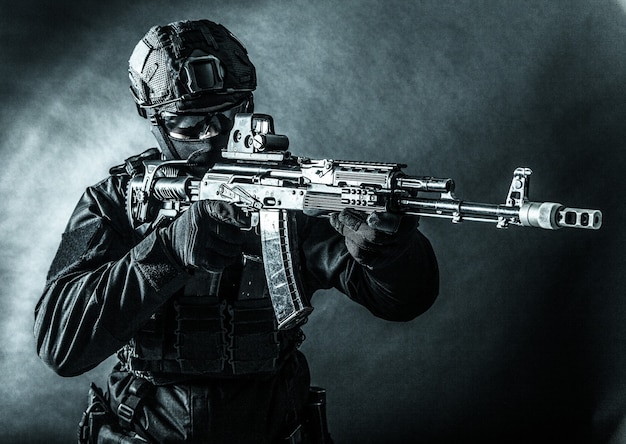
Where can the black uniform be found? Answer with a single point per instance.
(200, 355)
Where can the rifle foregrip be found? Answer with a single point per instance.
(552, 216)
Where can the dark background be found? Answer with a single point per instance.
(526, 340)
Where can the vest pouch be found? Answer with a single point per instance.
(200, 334)
(254, 345)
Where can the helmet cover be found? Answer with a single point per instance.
(190, 66)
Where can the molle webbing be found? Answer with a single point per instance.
(220, 324)
(254, 346)
(213, 338)
(200, 335)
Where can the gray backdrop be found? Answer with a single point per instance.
(526, 340)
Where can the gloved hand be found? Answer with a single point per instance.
(377, 240)
(207, 236)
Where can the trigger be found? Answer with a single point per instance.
(254, 223)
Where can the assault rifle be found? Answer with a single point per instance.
(258, 174)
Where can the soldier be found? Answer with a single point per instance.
(200, 356)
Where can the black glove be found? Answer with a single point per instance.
(207, 236)
(377, 240)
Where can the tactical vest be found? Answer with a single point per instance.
(220, 324)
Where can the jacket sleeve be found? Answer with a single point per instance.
(401, 291)
(101, 286)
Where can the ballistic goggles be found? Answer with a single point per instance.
(200, 126)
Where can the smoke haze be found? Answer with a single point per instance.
(528, 331)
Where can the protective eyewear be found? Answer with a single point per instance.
(200, 126)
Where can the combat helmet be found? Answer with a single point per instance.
(184, 74)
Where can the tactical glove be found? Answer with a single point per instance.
(207, 236)
(378, 240)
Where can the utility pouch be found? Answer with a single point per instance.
(98, 424)
(97, 415)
